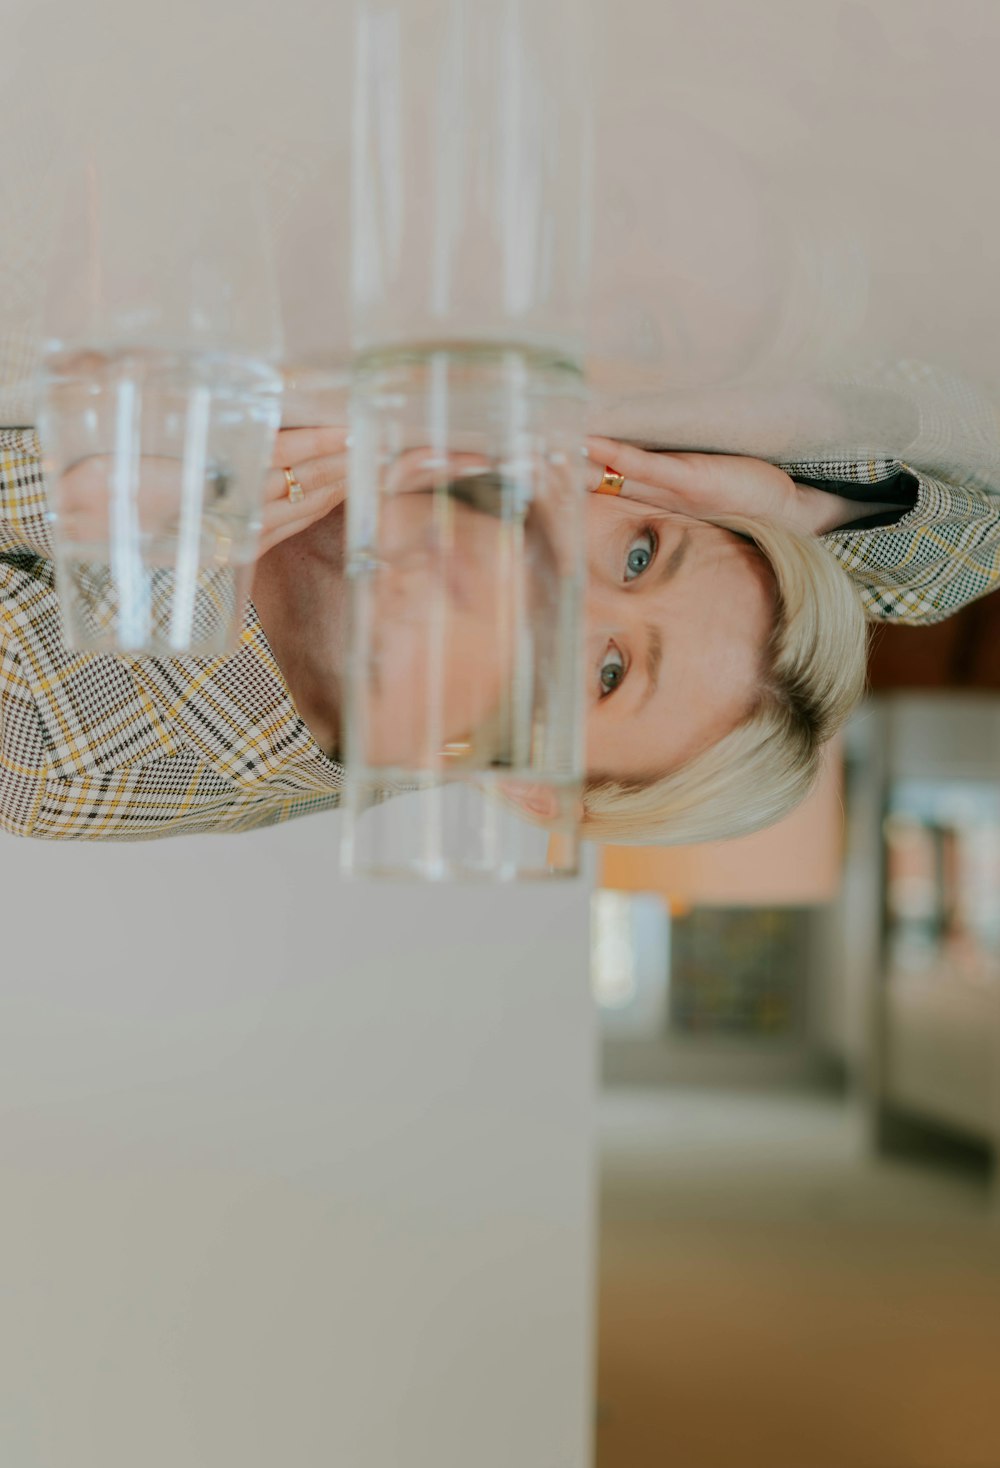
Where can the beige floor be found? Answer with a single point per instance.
(771, 1297)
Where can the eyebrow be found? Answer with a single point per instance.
(654, 640)
(672, 564)
(654, 659)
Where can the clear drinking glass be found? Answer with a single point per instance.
(464, 746)
(158, 398)
(466, 575)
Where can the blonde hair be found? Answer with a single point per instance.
(814, 675)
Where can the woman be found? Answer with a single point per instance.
(725, 649)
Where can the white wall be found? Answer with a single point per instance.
(293, 1173)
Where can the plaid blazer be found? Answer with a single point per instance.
(126, 749)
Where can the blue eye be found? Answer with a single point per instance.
(612, 670)
(640, 555)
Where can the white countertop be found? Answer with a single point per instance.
(791, 200)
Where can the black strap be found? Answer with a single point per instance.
(900, 491)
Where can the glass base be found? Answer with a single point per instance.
(510, 827)
(153, 611)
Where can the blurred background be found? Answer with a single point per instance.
(800, 1033)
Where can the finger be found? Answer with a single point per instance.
(153, 486)
(424, 468)
(632, 489)
(275, 529)
(324, 476)
(665, 470)
(324, 485)
(593, 476)
(295, 445)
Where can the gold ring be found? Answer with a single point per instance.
(296, 494)
(612, 481)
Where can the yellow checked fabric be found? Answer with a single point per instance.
(935, 558)
(127, 749)
(100, 746)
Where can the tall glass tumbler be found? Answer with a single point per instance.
(159, 396)
(470, 235)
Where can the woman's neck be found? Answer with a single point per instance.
(299, 594)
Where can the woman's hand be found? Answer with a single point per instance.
(317, 458)
(706, 485)
(698, 485)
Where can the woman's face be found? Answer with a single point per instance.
(438, 663)
(677, 614)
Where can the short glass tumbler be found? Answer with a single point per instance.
(154, 461)
(464, 742)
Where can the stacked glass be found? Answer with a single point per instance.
(465, 515)
(159, 395)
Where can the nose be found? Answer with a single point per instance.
(609, 610)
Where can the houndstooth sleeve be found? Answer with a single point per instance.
(23, 760)
(24, 537)
(936, 558)
(24, 526)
